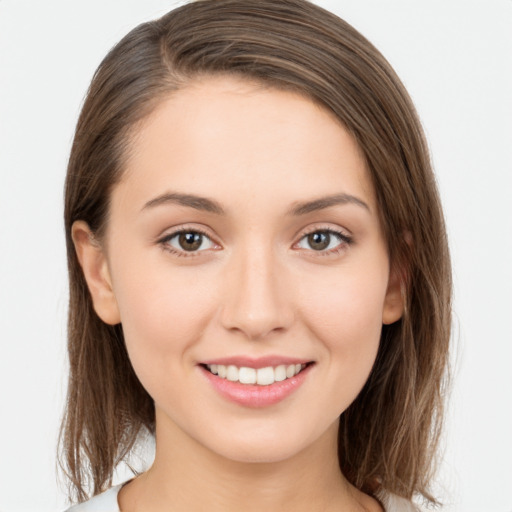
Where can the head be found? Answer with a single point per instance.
(307, 54)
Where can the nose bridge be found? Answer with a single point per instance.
(256, 300)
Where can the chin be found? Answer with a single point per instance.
(256, 454)
(267, 445)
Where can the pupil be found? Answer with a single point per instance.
(319, 240)
(190, 241)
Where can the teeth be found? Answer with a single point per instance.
(280, 373)
(232, 373)
(265, 376)
(261, 376)
(247, 375)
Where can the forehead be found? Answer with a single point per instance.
(237, 140)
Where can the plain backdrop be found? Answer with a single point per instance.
(455, 58)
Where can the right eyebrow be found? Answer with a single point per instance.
(326, 202)
(192, 201)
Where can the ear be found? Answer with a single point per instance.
(94, 265)
(394, 302)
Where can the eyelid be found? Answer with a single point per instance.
(338, 230)
(344, 235)
(170, 233)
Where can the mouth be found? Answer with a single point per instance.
(256, 385)
(256, 376)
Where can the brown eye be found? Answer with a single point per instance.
(190, 241)
(324, 240)
(319, 240)
(187, 242)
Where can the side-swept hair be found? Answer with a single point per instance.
(388, 436)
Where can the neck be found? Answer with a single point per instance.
(189, 476)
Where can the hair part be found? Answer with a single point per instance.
(388, 436)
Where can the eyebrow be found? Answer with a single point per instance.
(212, 206)
(192, 201)
(326, 202)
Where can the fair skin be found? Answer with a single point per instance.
(263, 274)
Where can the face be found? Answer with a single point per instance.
(245, 259)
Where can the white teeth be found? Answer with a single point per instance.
(232, 373)
(247, 375)
(261, 376)
(280, 373)
(265, 376)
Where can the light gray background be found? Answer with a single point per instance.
(455, 58)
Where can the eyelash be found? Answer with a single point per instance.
(345, 241)
(164, 242)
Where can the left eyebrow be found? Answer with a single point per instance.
(189, 200)
(326, 202)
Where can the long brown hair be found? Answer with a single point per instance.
(388, 436)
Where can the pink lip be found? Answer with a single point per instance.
(250, 395)
(256, 362)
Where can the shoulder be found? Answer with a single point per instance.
(104, 502)
(107, 502)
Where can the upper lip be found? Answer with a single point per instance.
(256, 362)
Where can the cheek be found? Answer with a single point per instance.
(349, 307)
(163, 313)
(346, 318)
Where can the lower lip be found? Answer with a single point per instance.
(251, 395)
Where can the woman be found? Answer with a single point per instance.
(259, 273)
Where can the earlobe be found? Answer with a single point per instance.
(394, 302)
(94, 265)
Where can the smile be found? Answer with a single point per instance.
(258, 376)
(256, 383)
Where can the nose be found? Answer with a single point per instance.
(257, 301)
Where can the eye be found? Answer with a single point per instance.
(324, 240)
(187, 241)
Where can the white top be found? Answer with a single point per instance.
(104, 502)
(107, 502)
